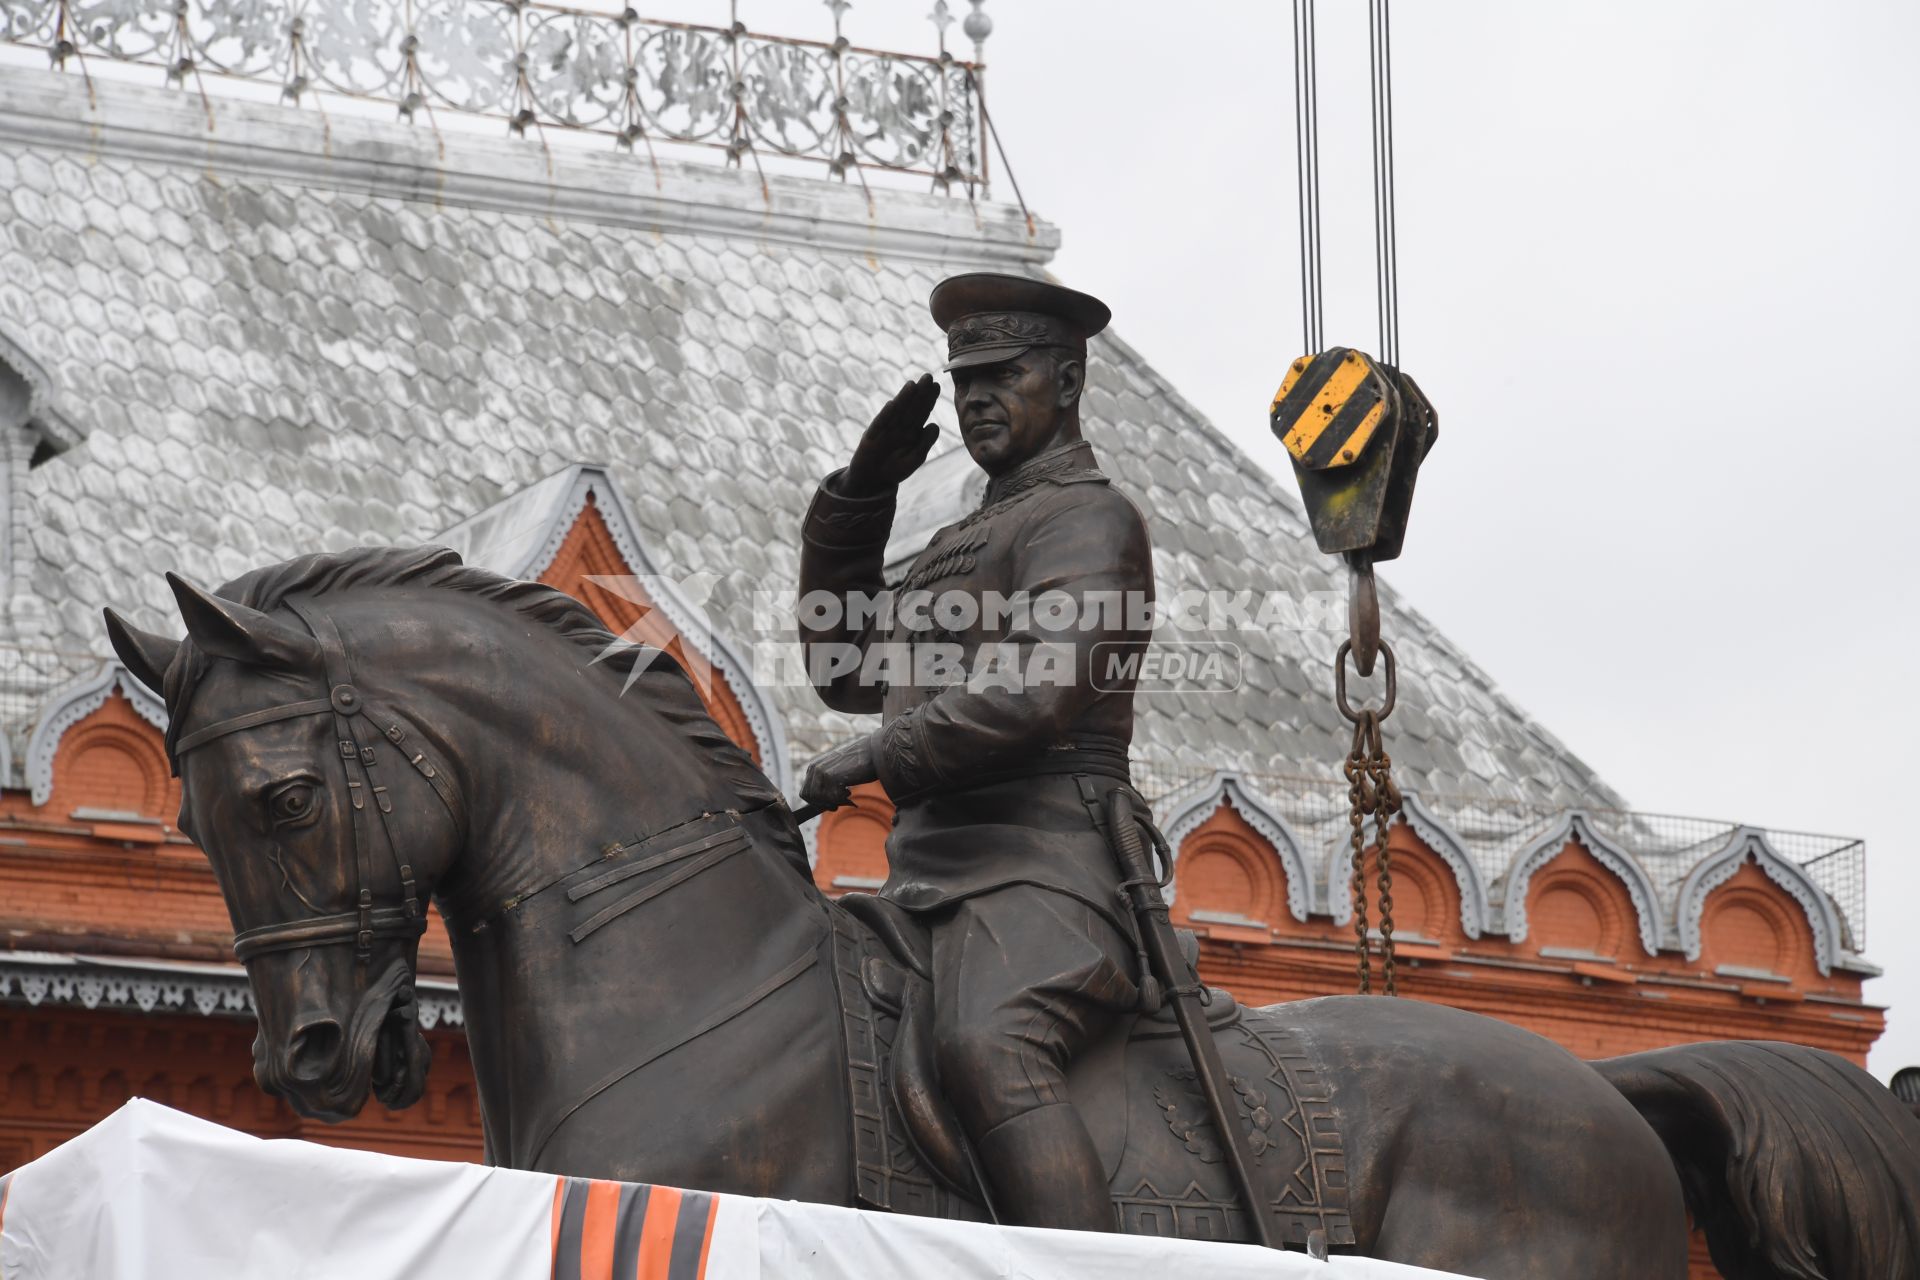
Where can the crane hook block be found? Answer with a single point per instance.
(1357, 431)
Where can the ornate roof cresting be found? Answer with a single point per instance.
(543, 66)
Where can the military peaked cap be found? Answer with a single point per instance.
(990, 318)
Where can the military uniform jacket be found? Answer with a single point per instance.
(979, 765)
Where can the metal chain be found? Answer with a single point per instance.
(1371, 793)
(1386, 804)
(1361, 803)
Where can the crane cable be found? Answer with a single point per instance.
(1306, 144)
(1306, 139)
(1385, 243)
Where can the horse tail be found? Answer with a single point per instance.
(1796, 1164)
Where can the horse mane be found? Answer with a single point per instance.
(653, 673)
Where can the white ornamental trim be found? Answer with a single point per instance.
(1823, 918)
(41, 413)
(72, 705)
(1475, 909)
(49, 110)
(1577, 827)
(1203, 800)
(72, 983)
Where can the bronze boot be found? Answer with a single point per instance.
(1046, 1171)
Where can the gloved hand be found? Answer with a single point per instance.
(831, 778)
(895, 443)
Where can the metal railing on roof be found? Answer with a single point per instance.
(541, 66)
(1492, 832)
(29, 676)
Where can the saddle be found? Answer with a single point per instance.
(1135, 1089)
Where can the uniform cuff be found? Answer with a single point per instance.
(900, 755)
(845, 523)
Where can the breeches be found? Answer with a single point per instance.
(1024, 980)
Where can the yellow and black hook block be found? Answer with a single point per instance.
(1357, 431)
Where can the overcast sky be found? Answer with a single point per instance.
(1658, 270)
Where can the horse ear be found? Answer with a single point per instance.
(228, 630)
(143, 653)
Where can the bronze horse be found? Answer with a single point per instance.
(655, 991)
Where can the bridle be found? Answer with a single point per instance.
(348, 707)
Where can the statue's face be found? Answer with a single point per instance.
(1014, 410)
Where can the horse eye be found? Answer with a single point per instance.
(293, 803)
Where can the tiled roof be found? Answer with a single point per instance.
(289, 334)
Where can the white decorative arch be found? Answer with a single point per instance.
(37, 409)
(1716, 869)
(1476, 911)
(1574, 825)
(1192, 805)
(1339, 876)
(520, 536)
(72, 705)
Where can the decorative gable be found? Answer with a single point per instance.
(1750, 908)
(99, 747)
(587, 567)
(575, 532)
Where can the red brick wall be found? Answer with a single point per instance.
(61, 1070)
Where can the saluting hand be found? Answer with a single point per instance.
(897, 441)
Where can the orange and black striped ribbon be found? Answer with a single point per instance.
(630, 1231)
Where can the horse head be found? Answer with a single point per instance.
(360, 733)
(329, 815)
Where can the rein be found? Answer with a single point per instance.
(344, 702)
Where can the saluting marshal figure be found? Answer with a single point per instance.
(999, 773)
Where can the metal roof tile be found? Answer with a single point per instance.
(368, 366)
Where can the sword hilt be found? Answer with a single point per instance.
(1139, 889)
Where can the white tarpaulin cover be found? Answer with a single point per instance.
(153, 1194)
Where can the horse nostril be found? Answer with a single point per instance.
(311, 1051)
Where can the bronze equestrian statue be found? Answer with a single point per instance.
(1000, 786)
(654, 990)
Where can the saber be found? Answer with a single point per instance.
(1182, 986)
